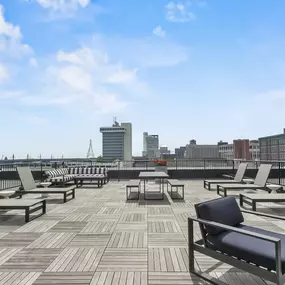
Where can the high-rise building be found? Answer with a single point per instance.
(180, 152)
(272, 147)
(150, 145)
(117, 142)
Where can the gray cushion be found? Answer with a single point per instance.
(223, 210)
(251, 249)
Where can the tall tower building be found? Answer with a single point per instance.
(117, 142)
(150, 145)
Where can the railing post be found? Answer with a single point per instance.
(279, 173)
(176, 163)
(41, 171)
(119, 172)
(233, 167)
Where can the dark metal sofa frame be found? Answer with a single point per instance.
(201, 246)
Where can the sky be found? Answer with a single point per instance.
(206, 70)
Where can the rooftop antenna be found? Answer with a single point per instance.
(90, 153)
(115, 123)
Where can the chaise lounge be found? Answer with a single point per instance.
(30, 186)
(238, 178)
(227, 239)
(259, 182)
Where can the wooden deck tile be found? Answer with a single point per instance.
(167, 259)
(167, 240)
(29, 259)
(52, 240)
(18, 239)
(66, 278)
(36, 226)
(7, 253)
(123, 259)
(133, 218)
(76, 260)
(127, 227)
(77, 217)
(99, 227)
(119, 278)
(18, 278)
(90, 240)
(163, 227)
(170, 278)
(73, 227)
(110, 211)
(128, 239)
(160, 211)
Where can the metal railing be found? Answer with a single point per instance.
(226, 166)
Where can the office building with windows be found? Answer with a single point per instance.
(272, 147)
(117, 142)
(150, 145)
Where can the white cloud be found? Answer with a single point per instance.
(158, 31)
(4, 75)
(10, 38)
(7, 29)
(178, 12)
(33, 62)
(63, 5)
(85, 78)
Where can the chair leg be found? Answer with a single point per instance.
(190, 246)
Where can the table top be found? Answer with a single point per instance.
(153, 174)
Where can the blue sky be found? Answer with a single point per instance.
(208, 70)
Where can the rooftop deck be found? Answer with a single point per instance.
(99, 238)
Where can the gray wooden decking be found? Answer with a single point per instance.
(99, 238)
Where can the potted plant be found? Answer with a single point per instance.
(160, 165)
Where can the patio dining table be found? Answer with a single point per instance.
(147, 175)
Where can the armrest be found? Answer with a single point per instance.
(228, 176)
(263, 215)
(234, 229)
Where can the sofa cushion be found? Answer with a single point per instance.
(222, 210)
(58, 179)
(87, 170)
(251, 249)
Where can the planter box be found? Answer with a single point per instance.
(161, 169)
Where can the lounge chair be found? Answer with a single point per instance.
(252, 199)
(227, 239)
(28, 205)
(259, 182)
(237, 178)
(30, 186)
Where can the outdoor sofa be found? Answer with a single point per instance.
(62, 176)
(226, 238)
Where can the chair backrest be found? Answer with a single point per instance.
(241, 171)
(262, 174)
(87, 170)
(223, 210)
(26, 178)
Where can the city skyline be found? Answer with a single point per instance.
(208, 70)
